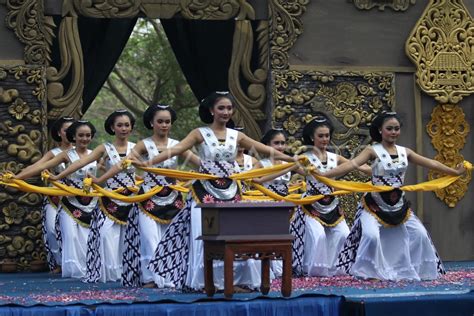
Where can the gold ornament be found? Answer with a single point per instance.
(441, 45)
(19, 109)
(13, 214)
(350, 99)
(397, 5)
(285, 28)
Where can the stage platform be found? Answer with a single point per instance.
(46, 294)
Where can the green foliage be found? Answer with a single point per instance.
(146, 73)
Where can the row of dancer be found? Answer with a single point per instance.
(178, 256)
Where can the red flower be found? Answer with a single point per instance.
(237, 198)
(112, 207)
(220, 182)
(149, 205)
(179, 204)
(208, 199)
(77, 213)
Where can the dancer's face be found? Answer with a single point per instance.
(162, 123)
(278, 142)
(321, 138)
(122, 126)
(62, 132)
(83, 136)
(390, 130)
(222, 110)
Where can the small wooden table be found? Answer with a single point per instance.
(246, 231)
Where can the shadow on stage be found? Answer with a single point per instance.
(47, 294)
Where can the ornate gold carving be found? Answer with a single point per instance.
(13, 213)
(18, 109)
(350, 99)
(21, 136)
(285, 26)
(26, 19)
(189, 9)
(353, 98)
(448, 129)
(72, 63)
(28, 147)
(250, 101)
(442, 47)
(7, 96)
(397, 5)
(19, 246)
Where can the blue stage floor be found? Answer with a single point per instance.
(42, 293)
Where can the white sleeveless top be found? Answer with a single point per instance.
(152, 180)
(248, 163)
(77, 178)
(62, 166)
(314, 184)
(212, 149)
(153, 151)
(388, 171)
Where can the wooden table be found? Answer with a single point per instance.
(241, 231)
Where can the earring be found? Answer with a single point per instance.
(380, 132)
(212, 114)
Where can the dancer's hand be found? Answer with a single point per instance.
(7, 176)
(94, 178)
(460, 169)
(48, 176)
(138, 163)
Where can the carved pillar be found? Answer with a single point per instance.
(441, 45)
(22, 140)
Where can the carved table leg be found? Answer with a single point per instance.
(265, 284)
(208, 273)
(287, 273)
(228, 272)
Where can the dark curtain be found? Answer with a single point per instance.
(102, 42)
(203, 50)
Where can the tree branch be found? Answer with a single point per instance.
(113, 88)
(130, 86)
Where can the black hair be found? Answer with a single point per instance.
(270, 134)
(150, 112)
(377, 123)
(319, 119)
(57, 125)
(110, 120)
(71, 130)
(208, 103)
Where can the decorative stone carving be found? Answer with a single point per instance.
(397, 5)
(350, 99)
(22, 139)
(285, 27)
(189, 9)
(441, 46)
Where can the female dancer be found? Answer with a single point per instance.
(387, 240)
(153, 215)
(245, 162)
(74, 212)
(279, 181)
(51, 203)
(105, 243)
(325, 228)
(217, 147)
